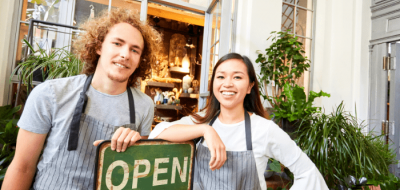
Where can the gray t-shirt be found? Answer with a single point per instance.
(50, 106)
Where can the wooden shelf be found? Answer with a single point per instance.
(160, 84)
(178, 70)
(170, 107)
(188, 95)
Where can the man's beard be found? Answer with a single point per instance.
(117, 79)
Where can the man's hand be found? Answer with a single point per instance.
(121, 139)
(216, 147)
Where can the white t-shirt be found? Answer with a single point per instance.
(269, 141)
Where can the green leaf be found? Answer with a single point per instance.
(275, 166)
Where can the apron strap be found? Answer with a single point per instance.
(247, 124)
(79, 109)
(131, 105)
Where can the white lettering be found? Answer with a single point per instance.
(110, 169)
(182, 174)
(158, 170)
(137, 174)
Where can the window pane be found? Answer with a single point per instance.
(75, 35)
(86, 9)
(218, 13)
(21, 47)
(133, 5)
(213, 28)
(305, 3)
(216, 23)
(304, 23)
(306, 46)
(44, 37)
(287, 17)
(210, 66)
(289, 1)
(304, 79)
(46, 10)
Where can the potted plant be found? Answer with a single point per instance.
(281, 66)
(341, 152)
(277, 170)
(58, 63)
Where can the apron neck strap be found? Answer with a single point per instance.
(247, 124)
(87, 84)
(131, 105)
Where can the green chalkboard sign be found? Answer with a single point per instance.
(149, 164)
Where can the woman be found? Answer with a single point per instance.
(239, 139)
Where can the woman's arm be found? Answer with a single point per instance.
(179, 132)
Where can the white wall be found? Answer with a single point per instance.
(256, 19)
(341, 56)
(343, 31)
(6, 14)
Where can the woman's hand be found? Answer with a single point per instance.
(122, 138)
(216, 147)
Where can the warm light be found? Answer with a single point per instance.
(185, 62)
(186, 83)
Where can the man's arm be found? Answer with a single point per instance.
(23, 167)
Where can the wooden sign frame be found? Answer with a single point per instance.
(182, 170)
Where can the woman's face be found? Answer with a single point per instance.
(231, 83)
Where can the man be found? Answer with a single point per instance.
(64, 117)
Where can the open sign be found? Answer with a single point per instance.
(149, 164)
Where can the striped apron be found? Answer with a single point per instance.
(239, 171)
(72, 167)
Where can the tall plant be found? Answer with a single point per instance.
(339, 149)
(283, 62)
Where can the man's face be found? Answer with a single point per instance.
(120, 52)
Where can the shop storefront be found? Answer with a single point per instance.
(345, 42)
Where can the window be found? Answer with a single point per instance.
(220, 19)
(297, 16)
(215, 38)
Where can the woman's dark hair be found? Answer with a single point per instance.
(252, 101)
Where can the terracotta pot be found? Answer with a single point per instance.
(371, 187)
(275, 181)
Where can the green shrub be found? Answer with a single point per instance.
(337, 146)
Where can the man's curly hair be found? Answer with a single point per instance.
(96, 30)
